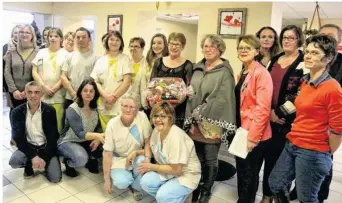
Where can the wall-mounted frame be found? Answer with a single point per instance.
(114, 23)
(231, 22)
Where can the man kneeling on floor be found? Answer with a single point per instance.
(34, 129)
(125, 137)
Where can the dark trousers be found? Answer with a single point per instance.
(272, 153)
(16, 102)
(208, 156)
(248, 173)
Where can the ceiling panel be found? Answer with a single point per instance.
(294, 10)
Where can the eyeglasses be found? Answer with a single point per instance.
(240, 49)
(174, 45)
(211, 47)
(312, 53)
(134, 47)
(128, 107)
(27, 33)
(160, 116)
(290, 39)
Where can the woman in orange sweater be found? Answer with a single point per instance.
(317, 131)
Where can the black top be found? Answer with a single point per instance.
(237, 97)
(335, 70)
(183, 71)
(4, 84)
(49, 124)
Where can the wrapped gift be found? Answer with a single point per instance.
(168, 89)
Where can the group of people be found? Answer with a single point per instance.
(93, 111)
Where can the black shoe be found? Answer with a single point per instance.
(204, 198)
(293, 194)
(28, 172)
(69, 171)
(281, 198)
(92, 166)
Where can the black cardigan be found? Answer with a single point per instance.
(289, 85)
(336, 69)
(49, 124)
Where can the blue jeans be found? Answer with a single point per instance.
(122, 178)
(167, 191)
(77, 155)
(308, 167)
(52, 168)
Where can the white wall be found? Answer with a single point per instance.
(189, 31)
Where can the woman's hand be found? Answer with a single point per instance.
(130, 159)
(23, 94)
(100, 137)
(144, 167)
(17, 95)
(94, 145)
(251, 145)
(48, 90)
(276, 119)
(108, 186)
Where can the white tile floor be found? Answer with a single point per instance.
(89, 187)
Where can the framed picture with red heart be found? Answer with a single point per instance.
(114, 23)
(231, 22)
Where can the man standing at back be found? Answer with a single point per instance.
(78, 66)
(34, 129)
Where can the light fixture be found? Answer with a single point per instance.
(309, 31)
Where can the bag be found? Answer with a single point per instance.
(206, 130)
(168, 89)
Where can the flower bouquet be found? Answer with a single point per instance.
(168, 89)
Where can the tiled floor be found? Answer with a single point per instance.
(89, 187)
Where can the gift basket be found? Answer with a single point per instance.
(168, 89)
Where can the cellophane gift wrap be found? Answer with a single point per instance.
(168, 89)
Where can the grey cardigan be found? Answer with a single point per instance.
(77, 127)
(214, 97)
(18, 72)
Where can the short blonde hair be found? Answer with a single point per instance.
(166, 108)
(72, 34)
(177, 36)
(250, 40)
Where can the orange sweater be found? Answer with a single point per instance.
(318, 111)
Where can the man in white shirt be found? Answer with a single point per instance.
(34, 129)
(78, 66)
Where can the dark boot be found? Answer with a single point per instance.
(28, 171)
(293, 194)
(281, 198)
(209, 177)
(70, 171)
(196, 193)
(92, 166)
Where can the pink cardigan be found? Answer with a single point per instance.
(255, 103)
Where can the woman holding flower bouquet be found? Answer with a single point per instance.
(174, 66)
(210, 114)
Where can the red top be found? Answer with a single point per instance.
(318, 111)
(277, 75)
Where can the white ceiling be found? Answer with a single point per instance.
(296, 10)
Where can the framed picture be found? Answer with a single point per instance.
(231, 22)
(114, 23)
